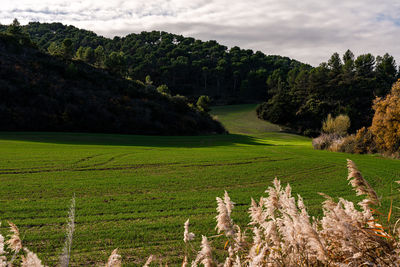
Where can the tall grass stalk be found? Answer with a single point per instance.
(66, 254)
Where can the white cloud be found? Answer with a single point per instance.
(307, 30)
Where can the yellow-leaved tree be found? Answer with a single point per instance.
(386, 122)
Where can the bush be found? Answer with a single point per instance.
(338, 125)
(360, 143)
(324, 141)
(347, 144)
(203, 103)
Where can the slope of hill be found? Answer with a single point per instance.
(39, 92)
(242, 119)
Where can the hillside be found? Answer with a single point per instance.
(188, 66)
(40, 92)
(242, 119)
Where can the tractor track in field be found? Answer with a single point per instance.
(87, 158)
(141, 166)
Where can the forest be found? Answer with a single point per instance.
(188, 66)
(304, 97)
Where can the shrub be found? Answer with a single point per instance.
(386, 121)
(338, 125)
(203, 103)
(324, 141)
(163, 89)
(336, 144)
(347, 144)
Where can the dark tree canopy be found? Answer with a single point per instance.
(188, 66)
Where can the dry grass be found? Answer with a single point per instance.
(283, 234)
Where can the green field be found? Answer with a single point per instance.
(135, 192)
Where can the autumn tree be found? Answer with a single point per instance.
(386, 122)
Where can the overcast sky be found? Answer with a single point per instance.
(306, 30)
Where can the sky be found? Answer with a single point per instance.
(307, 30)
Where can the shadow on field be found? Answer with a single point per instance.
(132, 140)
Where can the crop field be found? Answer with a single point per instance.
(135, 192)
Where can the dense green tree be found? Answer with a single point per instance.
(116, 63)
(79, 53)
(88, 55)
(54, 49)
(335, 64)
(15, 28)
(99, 56)
(386, 74)
(67, 49)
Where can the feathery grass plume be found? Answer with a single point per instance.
(31, 259)
(360, 185)
(239, 238)
(2, 245)
(14, 242)
(229, 260)
(224, 221)
(65, 256)
(205, 254)
(329, 203)
(149, 260)
(257, 215)
(271, 203)
(257, 243)
(114, 260)
(228, 203)
(186, 235)
(3, 259)
(258, 260)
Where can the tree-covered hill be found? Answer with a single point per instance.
(40, 92)
(294, 94)
(188, 66)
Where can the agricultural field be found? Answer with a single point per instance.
(135, 192)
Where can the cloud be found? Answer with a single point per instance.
(307, 30)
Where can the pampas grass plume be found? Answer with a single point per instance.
(114, 260)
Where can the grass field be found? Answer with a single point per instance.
(135, 192)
